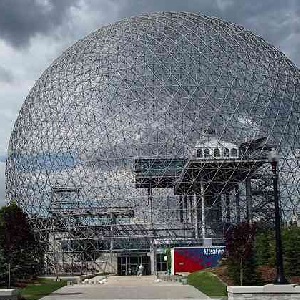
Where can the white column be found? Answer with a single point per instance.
(195, 198)
(153, 254)
(202, 210)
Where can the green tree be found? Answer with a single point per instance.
(265, 248)
(291, 246)
(20, 248)
(3, 268)
(240, 257)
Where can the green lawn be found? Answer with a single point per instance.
(41, 288)
(208, 283)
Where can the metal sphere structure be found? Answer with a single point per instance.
(154, 130)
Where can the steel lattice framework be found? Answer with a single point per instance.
(122, 143)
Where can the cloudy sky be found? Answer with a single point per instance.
(34, 32)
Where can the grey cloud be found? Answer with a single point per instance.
(273, 20)
(232, 10)
(5, 75)
(254, 13)
(22, 19)
(132, 7)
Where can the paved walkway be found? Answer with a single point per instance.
(130, 287)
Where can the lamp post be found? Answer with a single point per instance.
(280, 278)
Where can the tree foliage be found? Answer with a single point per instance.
(19, 246)
(265, 249)
(249, 247)
(240, 253)
(3, 267)
(291, 248)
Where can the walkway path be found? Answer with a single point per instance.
(130, 287)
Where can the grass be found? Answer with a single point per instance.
(208, 283)
(41, 288)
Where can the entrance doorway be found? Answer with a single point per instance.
(128, 264)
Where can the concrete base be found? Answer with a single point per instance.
(9, 294)
(128, 287)
(267, 292)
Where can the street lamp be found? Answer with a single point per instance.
(280, 278)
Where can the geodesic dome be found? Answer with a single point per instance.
(152, 87)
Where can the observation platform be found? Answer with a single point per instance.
(216, 174)
(217, 164)
(185, 175)
(157, 172)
